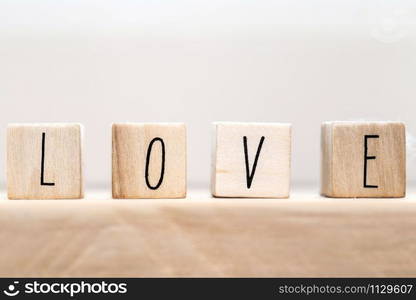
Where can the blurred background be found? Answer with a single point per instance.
(303, 62)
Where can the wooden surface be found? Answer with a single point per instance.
(62, 164)
(305, 235)
(348, 171)
(136, 143)
(251, 160)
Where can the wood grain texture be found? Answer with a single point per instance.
(131, 143)
(62, 161)
(229, 172)
(343, 161)
(304, 236)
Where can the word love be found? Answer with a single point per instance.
(359, 159)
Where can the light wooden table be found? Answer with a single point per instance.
(305, 235)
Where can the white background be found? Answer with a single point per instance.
(303, 62)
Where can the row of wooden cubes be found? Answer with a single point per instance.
(359, 159)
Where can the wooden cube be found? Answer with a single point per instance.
(251, 160)
(44, 161)
(149, 160)
(363, 159)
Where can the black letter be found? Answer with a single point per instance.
(42, 168)
(366, 137)
(249, 177)
(162, 172)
